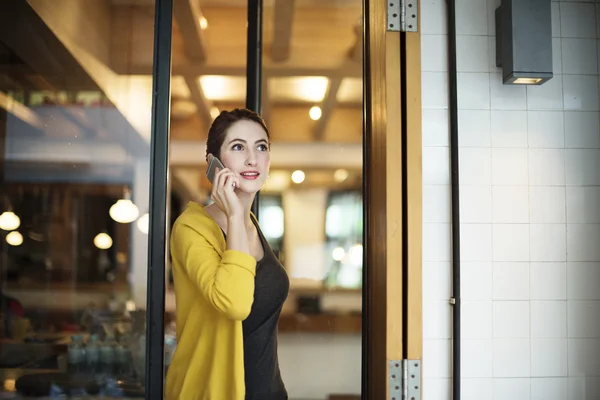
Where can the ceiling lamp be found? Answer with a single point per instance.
(298, 176)
(103, 241)
(338, 253)
(9, 221)
(124, 211)
(143, 223)
(340, 175)
(14, 238)
(315, 113)
(203, 22)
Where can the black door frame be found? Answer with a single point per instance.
(158, 209)
(373, 293)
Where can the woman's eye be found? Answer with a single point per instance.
(237, 147)
(263, 147)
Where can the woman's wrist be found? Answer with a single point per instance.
(235, 218)
(237, 237)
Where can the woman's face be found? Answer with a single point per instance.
(245, 152)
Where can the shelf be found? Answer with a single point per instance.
(321, 323)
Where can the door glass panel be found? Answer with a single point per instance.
(208, 76)
(312, 102)
(311, 205)
(75, 116)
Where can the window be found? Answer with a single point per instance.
(270, 212)
(343, 232)
(65, 235)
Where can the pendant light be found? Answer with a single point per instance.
(124, 211)
(143, 223)
(14, 238)
(9, 221)
(103, 241)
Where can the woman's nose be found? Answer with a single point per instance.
(251, 160)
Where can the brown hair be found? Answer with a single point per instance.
(221, 124)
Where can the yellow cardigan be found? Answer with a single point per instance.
(214, 291)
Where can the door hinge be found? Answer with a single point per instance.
(402, 15)
(405, 379)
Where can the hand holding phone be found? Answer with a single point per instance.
(213, 164)
(224, 183)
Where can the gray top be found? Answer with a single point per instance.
(261, 365)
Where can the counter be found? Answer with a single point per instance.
(9, 378)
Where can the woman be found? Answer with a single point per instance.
(229, 286)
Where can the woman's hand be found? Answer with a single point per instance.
(223, 193)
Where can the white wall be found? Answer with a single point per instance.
(530, 212)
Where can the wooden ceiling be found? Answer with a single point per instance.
(311, 57)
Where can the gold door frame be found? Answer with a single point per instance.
(392, 296)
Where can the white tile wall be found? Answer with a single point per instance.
(530, 211)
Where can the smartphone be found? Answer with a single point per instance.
(210, 171)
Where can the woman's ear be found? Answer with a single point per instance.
(209, 156)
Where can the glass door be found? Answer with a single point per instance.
(79, 138)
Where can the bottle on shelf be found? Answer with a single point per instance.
(92, 354)
(76, 354)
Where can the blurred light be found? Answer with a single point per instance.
(143, 223)
(356, 254)
(130, 305)
(302, 88)
(298, 176)
(103, 241)
(124, 211)
(272, 222)
(14, 238)
(214, 112)
(9, 221)
(315, 113)
(223, 88)
(121, 257)
(338, 254)
(340, 175)
(203, 22)
(9, 385)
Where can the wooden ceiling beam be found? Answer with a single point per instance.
(187, 15)
(287, 124)
(21, 111)
(203, 105)
(197, 69)
(283, 18)
(327, 107)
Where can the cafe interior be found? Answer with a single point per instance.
(75, 165)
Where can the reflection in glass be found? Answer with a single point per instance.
(75, 96)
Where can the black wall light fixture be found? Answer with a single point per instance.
(524, 41)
